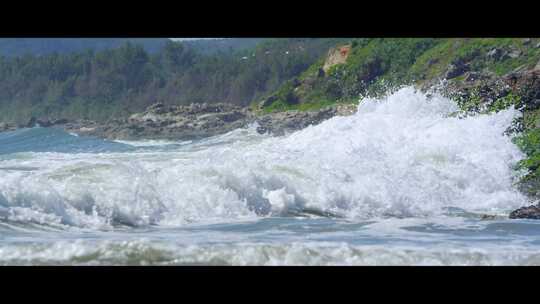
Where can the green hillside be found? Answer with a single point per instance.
(113, 83)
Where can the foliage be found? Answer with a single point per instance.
(377, 65)
(45, 46)
(112, 83)
(529, 143)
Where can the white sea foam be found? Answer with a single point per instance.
(143, 252)
(401, 157)
(151, 143)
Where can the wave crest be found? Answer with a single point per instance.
(399, 156)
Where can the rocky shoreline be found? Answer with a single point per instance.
(189, 122)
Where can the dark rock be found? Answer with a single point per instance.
(231, 116)
(6, 127)
(61, 121)
(373, 69)
(534, 104)
(456, 69)
(526, 41)
(530, 212)
(31, 123)
(496, 54)
(267, 101)
(261, 130)
(320, 73)
(284, 122)
(158, 108)
(488, 217)
(525, 84)
(44, 123)
(472, 76)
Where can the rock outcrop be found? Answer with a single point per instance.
(336, 56)
(280, 123)
(456, 69)
(174, 122)
(530, 212)
(195, 121)
(6, 127)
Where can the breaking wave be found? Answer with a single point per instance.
(401, 156)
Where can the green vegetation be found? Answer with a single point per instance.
(475, 104)
(112, 83)
(12, 47)
(373, 66)
(434, 61)
(377, 65)
(529, 143)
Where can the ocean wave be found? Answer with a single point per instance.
(401, 156)
(143, 252)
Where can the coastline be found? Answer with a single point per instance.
(189, 122)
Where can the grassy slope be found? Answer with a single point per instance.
(374, 65)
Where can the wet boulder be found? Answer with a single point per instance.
(530, 212)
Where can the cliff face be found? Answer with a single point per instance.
(336, 56)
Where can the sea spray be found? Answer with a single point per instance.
(400, 156)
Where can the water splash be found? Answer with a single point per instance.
(400, 156)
